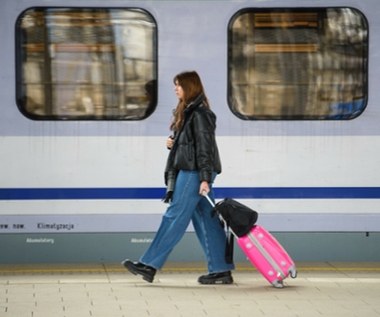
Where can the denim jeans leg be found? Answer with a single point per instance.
(175, 220)
(212, 237)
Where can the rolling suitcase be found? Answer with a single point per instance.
(260, 246)
(267, 255)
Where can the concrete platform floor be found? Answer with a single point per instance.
(108, 290)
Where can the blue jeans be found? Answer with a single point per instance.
(188, 205)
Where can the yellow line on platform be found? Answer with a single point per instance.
(72, 269)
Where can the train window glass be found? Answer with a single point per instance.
(297, 63)
(86, 64)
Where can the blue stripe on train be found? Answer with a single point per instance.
(220, 192)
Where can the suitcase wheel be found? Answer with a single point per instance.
(293, 273)
(278, 284)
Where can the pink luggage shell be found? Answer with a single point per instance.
(267, 255)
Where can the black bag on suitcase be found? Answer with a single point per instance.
(236, 216)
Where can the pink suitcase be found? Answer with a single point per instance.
(267, 255)
(261, 247)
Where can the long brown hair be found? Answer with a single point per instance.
(192, 87)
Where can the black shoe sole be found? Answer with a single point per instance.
(131, 268)
(222, 280)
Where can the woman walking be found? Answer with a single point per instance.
(192, 166)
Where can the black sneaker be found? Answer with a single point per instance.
(147, 272)
(216, 278)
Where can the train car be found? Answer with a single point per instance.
(86, 98)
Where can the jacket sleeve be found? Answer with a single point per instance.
(204, 135)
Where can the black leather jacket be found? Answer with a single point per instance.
(195, 148)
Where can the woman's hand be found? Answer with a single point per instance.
(204, 188)
(169, 142)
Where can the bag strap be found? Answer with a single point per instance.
(229, 252)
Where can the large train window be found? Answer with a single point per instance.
(86, 64)
(297, 63)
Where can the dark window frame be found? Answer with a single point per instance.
(343, 113)
(133, 112)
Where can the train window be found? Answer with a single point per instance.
(86, 64)
(297, 63)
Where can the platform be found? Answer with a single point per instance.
(320, 289)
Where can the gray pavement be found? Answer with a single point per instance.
(320, 289)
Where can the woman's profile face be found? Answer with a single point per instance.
(178, 90)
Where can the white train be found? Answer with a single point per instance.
(86, 96)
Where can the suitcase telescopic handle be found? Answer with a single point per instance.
(213, 206)
(208, 198)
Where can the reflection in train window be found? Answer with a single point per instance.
(297, 63)
(87, 64)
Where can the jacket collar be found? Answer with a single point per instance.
(195, 103)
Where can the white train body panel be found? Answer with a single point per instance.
(305, 175)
